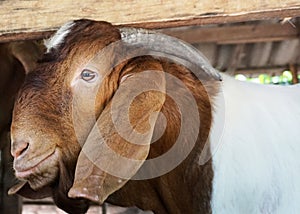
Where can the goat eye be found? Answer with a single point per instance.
(88, 75)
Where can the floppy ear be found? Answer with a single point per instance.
(27, 53)
(120, 141)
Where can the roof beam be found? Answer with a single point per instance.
(39, 16)
(271, 70)
(250, 33)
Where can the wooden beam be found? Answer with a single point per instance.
(260, 54)
(12, 37)
(250, 33)
(44, 16)
(294, 70)
(271, 70)
(223, 56)
(8, 204)
(235, 58)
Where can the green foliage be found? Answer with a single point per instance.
(284, 79)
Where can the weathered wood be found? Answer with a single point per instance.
(11, 37)
(250, 33)
(285, 52)
(223, 56)
(294, 70)
(235, 58)
(260, 54)
(8, 204)
(271, 70)
(41, 16)
(209, 50)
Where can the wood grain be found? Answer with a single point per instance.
(39, 16)
(250, 33)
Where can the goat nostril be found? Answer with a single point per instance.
(19, 149)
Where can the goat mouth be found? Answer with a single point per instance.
(26, 173)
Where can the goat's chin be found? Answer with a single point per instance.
(45, 178)
(55, 171)
(44, 174)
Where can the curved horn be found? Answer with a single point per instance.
(163, 45)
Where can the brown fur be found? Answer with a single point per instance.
(187, 188)
(43, 120)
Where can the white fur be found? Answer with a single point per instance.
(257, 165)
(59, 36)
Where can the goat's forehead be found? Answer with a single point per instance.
(59, 36)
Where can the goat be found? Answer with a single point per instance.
(136, 118)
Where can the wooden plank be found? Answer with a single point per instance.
(11, 37)
(294, 70)
(285, 52)
(260, 54)
(8, 204)
(271, 70)
(223, 56)
(250, 33)
(235, 58)
(208, 50)
(42, 16)
(246, 55)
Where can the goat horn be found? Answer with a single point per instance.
(166, 46)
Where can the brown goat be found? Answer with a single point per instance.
(141, 119)
(46, 143)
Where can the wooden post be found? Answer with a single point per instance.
(104, 208)
(8, 204)
(293, 69)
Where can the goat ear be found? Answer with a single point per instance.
(27, 53)
(120, 141)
